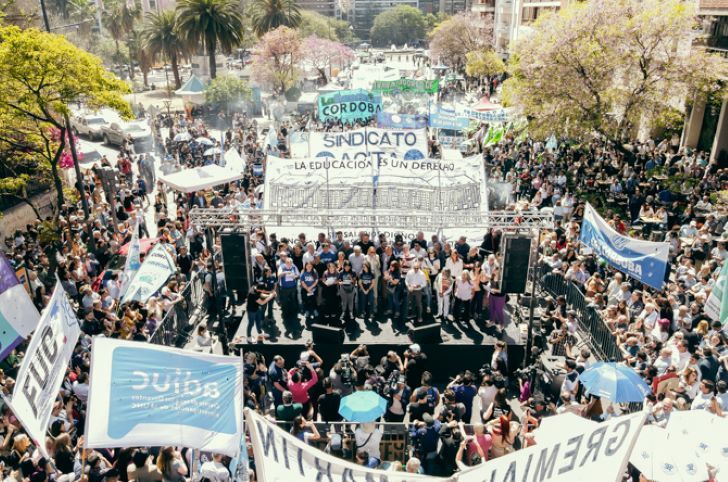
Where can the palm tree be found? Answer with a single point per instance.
(160, 37)
(268, 15)
(119, 18)
(211, 22)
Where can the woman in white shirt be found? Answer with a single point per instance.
(443, 289)
(368, 436)
(454, 264)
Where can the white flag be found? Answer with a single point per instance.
(133, 260)
(158, 266)
(44, 366)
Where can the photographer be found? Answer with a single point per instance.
(398, 395)
(414, 365)
(465, 392)
(343, 375)
(391, 362)
(424, 399)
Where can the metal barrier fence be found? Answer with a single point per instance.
(174, 328)
(601, 340)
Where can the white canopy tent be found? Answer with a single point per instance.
(200, 178)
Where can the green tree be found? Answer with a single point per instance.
(313, 23)
(119, 19)
(608, 66)
(212, 23)
(226, 90)
(399, 26)
(42, 75)
(267, 15)
(160, 37)
(484, 63)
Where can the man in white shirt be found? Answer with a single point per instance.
(214, 470)
(702, 400)
(415, 282)
(357, 260)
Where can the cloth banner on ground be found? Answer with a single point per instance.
(44, 367)
(133, 260)
(602, 449)
(370, 142)
(349, 105)
(148, 395)
(717, 305)
(422, 86)
(401, 121)
(279, 456)
(498, 115)
(645, 261)
(444, 118)
(407, 185)
(18, 314)
(158, 266)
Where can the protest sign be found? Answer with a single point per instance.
(643, 260)
(401, 121)
(349, 105)
(18, 314)
(498, 115)
(443, 118)
(717, 304)
(44, 366)
(158, 266)
(371, 142)
(422, 86)
(149, 395)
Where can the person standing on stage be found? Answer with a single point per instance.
(288, 276)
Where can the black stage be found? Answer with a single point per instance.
(473, 342)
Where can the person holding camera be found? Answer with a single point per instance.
(398, 395)
(414, 365)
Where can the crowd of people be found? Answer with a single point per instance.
(483, 412)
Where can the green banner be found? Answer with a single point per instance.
(406, 85)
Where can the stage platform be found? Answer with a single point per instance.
(472, 343)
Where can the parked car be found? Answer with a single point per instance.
(138, 132)
(90, 125)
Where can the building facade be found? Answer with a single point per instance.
(706, 126)
(328, 8)
(361, 13)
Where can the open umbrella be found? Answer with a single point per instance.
(145, 244)
(616, 382)
(205, 141)
(365, 406)
(182, 137)
(212, 151)
(661, 456)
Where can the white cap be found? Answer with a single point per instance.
(414, 348)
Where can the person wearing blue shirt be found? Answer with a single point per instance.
(309, 289)
(288, 276)
(327, 255)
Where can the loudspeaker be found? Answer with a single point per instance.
(236, 262)
(426, 333)
(327, 334)
(517, 252)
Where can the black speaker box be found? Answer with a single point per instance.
(515, 264)
(429, 333)
(327, 334)
(236, 262)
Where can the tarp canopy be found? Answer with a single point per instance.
(193, 86)
(199, 178)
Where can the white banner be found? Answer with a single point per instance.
(391, 183)
(579, 455)
(281, 457)
(44, 366)
(133, 260)
(149, 395)
(359, 144)
(603, 449)
(714, 303)
(158, 266)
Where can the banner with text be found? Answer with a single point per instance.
(498, 115)
(645, 261)
(717, 304)
(422, 86)
(602, 449)
(18, 314)
(371, 183)
(444, 118)
(44, 366)
(148, 395)
(349, 105)
(371, 142)
(158, 266)
(279, 456)
(401, 121)
(133, 260)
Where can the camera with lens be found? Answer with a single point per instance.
(347, 373)
(391, 385)
(485, 370)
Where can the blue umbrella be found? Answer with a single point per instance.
(364, 406)
(614, 381)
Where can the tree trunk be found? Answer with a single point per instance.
(211, 54)
(145, 76)
(175, 71)
(58, 184)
